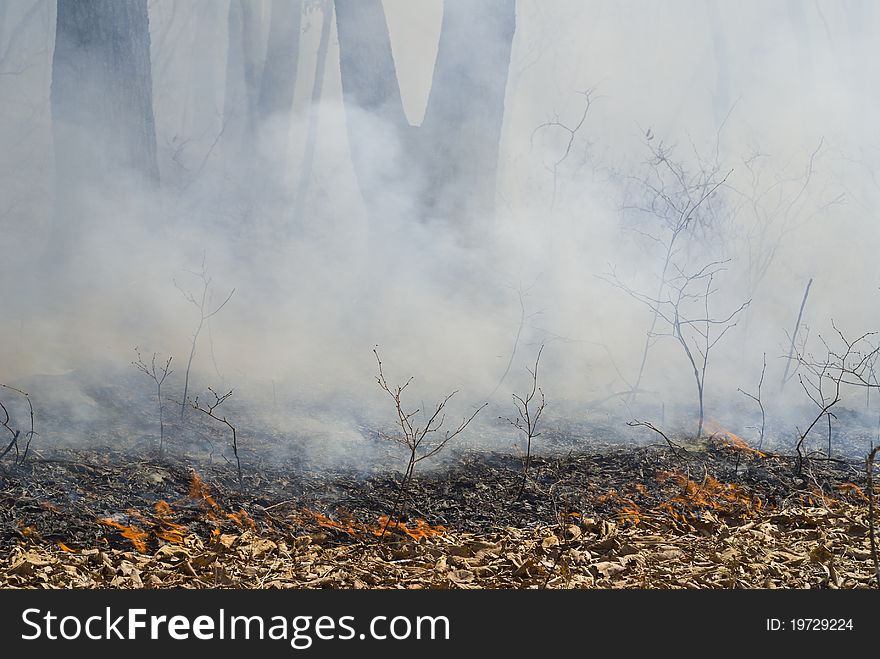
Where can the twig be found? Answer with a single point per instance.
(416, 438)
(19, 458)
(869, 468)
(760, 403)
(650, 426)
(201, 303)
(208, 409)
(158, 376)
(527, 419)
(519, 329)
(797, 327)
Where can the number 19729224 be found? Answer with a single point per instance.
(810, 624)
(821, 624)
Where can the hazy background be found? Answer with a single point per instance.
(777, 98)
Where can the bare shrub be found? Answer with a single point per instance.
(529, 410)
(421, 441)
(6, 423)
(209, 409)
(158, 374)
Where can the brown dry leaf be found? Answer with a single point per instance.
(227, 540)
(459, 550)
(821, 553)
(260, 547)
(461, 576)
(627, 549)
(672, 554)
(784, 556)
(607, 569)
(523, 570)
(729, 555)
(170, 553)
(30, 564)
(549, 541)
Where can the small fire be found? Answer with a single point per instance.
(729, 440)
(629, 511)
(200, 491)
(710, 494)
(242, 519)
(421, 528)
(163, 509)
(417, 530)
(688, 499)
(137, 535)
(27, 531)
(161, 525)
(852, 488)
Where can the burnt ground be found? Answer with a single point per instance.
(603, 501)
(60, 494)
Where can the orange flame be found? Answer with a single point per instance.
(852, 488)
(137, 536)
(199, 489)
(242, 519)
(730, 440)
(417, 530)
(421, 528)
(160, 524)
(163, 509)
(711, 494)
(27, 531)
(630, 513)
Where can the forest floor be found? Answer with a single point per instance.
(708, 514)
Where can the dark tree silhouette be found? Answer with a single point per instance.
(450, 161)
(102, 104)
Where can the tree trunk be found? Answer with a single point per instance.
(102, 106)
(369, 77)
(204, 104)
(305, 170)
(242, 78)
(721, 95)
(3, 9)
(369, 91)
(465, 111)
(447, 166)
(282, 55)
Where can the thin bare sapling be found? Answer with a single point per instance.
(209, 408)
(529, 408)
(158, 374)
(6, 423)
(847, 363)
(680, 206)
(757, 398)
(203, 303)
(684, 314)
(869, 469)
(420, 440)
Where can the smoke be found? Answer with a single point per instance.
(580, 197)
